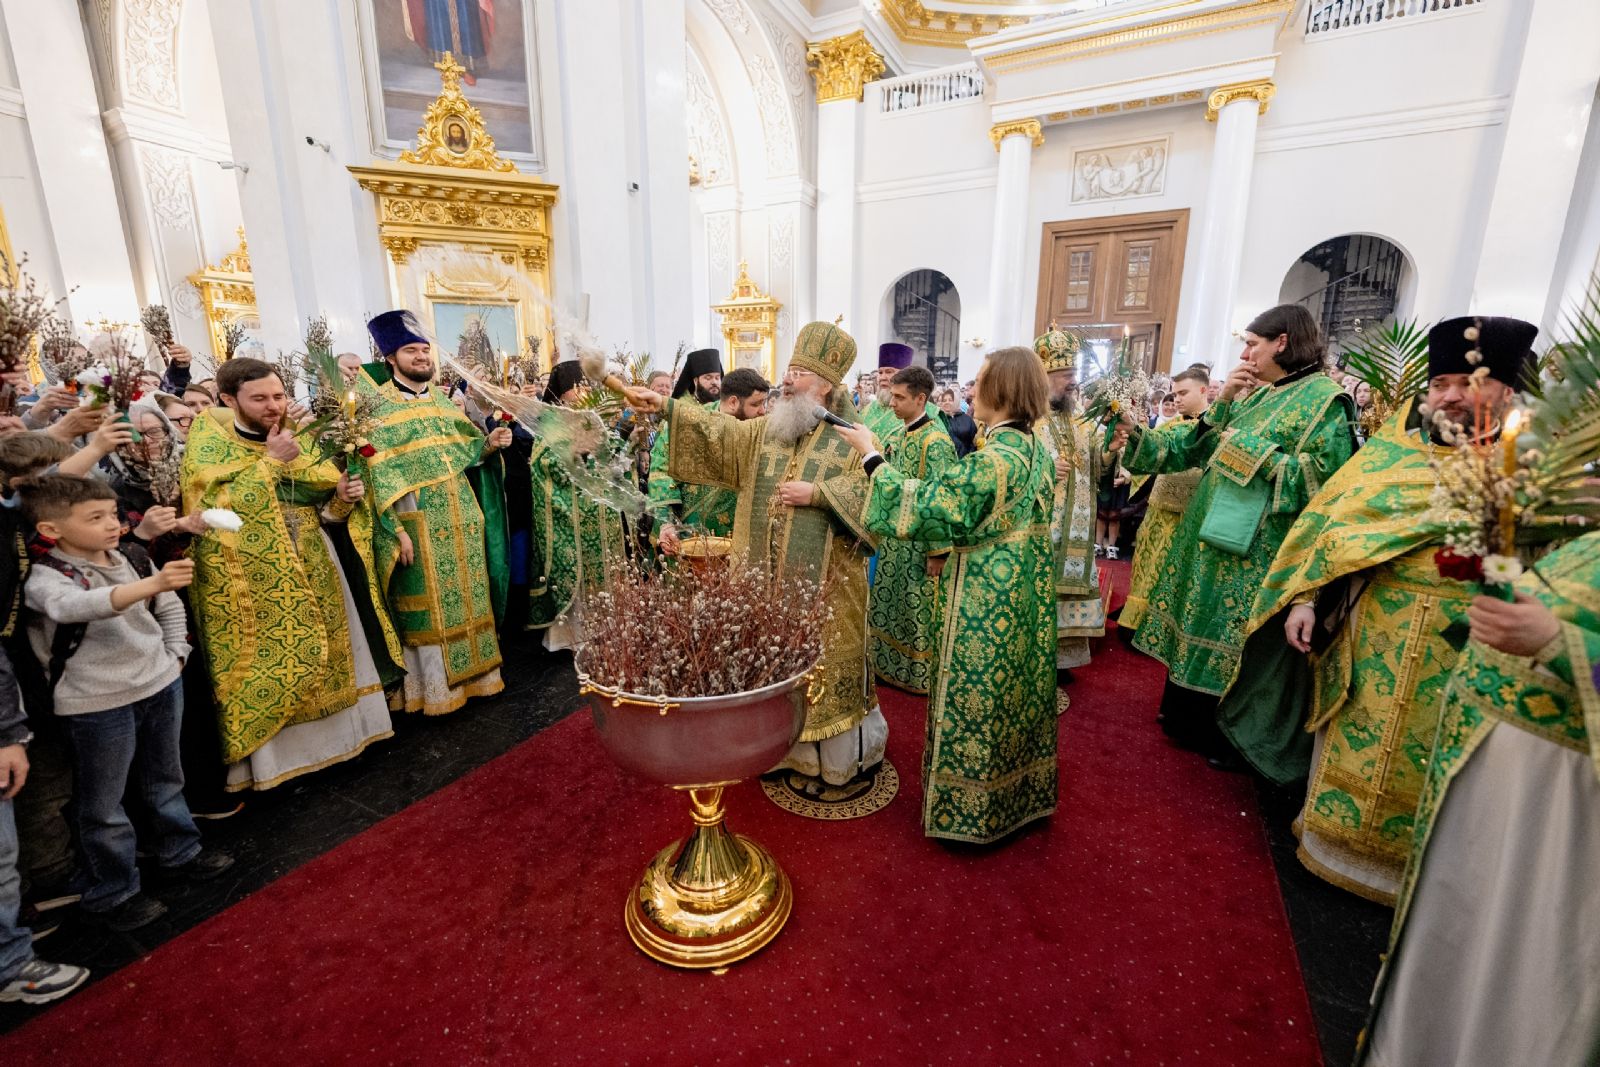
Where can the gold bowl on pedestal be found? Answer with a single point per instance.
(702, 550)
(717, 897)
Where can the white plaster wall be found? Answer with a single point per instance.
(21, 198)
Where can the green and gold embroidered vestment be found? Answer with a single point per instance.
(1364, 543)
(426, 452)
(1169, 497)
(989, 762)
(267, 599)
(1080, 613)
(576, 539)
(710, 448)
(1281, 442)
(884, 423)
(904, 607)
(700, 508)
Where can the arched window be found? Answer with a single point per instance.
(922, 309)
(1348, 282)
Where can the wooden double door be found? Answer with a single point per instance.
(1099, 276)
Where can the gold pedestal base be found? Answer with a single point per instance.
(719, 899)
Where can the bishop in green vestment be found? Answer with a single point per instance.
(812, 526)
(300, 686)
(438, 543)
(1493, 951)
(905, 608)
(989, 761)
(1372, 609)
(1263, 457)
(1075, 454)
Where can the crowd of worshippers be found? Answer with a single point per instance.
(1281, 571)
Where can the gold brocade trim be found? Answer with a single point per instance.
(458, 697)
(1342, 881)
(905, 650)
(991, 785)
(256, 785)
(991, 838)
(896, 683)
(783, 790)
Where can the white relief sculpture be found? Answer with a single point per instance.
(185, 300)
(166, 184)
(150, 51)
(782, 241)
(719, 249)
(773, 105)
(1120, 172)
(733, 14)
(708, 136)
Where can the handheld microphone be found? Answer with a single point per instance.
(829, 417)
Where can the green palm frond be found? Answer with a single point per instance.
(1565, 426)
(1392, 361)
(602, 402)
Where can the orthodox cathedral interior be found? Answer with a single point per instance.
(663, 176)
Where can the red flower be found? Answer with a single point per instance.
(366, 451)
(137, 394)
(1461, 568)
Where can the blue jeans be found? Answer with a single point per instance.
(16, 942)
(106, 747)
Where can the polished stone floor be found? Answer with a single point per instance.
(1338, 936)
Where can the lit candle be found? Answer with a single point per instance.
(350, 405)
(1508, 447)
(505, 370)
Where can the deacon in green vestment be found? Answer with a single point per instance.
(1263, 457)
(904, 608)
(800, 489)
(576, 538)
(439, 545)
(879, 413)
(680, 508)
(1169, 498)
(298, 680)
(989, 761)
(1372, 608)
(1493, 952)
(1075, 454)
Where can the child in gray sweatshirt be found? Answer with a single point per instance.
(113, 644)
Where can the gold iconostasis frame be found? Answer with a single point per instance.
(227, 295)
(452, 191)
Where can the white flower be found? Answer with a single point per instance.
(221, 519)
(96, 375)
(1501, 570)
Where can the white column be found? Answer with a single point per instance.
(666, 308)
(1236, 109)
(73, 160)
(1008, 323)
(1544, 143)
(838, 162)
(312, 231)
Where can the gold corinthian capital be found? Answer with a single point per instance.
(1261, 91)
(1026, 127)
(843, 65)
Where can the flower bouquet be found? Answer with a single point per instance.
(342, 417)
(1121, 389)
(61, 356)
(113, 379)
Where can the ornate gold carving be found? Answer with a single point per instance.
(452, 132)
(400, 248)
(914, 23)
(1261, 91)
(1026, 127)
(842, 65)
(227, 293)
(750, 325)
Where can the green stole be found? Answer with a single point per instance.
(267, 599)
(827, 538)
(448, 595)
(1073, 512)
(576, 540)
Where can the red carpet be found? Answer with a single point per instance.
(1142, 925)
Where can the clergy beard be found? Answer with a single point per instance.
(706, 396)
(885, 397)
(1060, 404)
(791, 418)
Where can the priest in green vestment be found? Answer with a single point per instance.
(904, 608)
(800, 489)
(1263, 456)
(438, 539)
(989, 760)
(299, 680)
(879, 415)
(1076, 456)
(1492, 956)
(1169, 498)
(680, 508)
(1369, 605)
(576, 539)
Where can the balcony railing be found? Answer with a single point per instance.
(930, 89)
(1329, 16)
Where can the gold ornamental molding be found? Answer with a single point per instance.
(1136, 104)
(843, 65)
(915, 23)
(1261, 91)
(1026, 127)
(1172, 26)
(452, 133)
(227, 295)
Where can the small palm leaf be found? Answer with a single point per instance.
(1392, 361)
(1565, 428)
